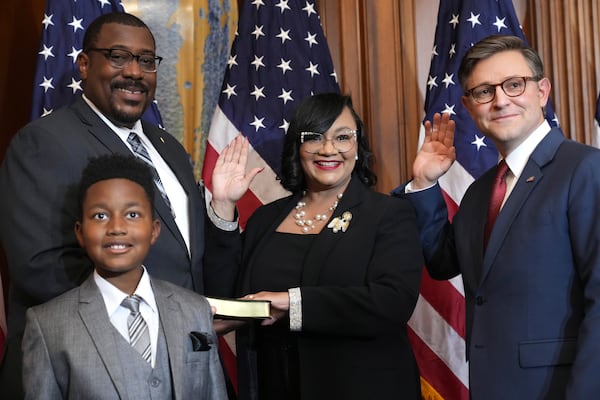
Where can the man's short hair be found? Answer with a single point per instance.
(495, 44)
(90, 38)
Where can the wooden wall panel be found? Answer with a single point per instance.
(566, 34)
(373, 49)
(20, 32)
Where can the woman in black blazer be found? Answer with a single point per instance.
(341, 265)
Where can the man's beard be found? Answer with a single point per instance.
(125, 118)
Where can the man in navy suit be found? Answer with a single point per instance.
(43, 164)
(533, 292)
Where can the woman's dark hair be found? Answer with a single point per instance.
(316, 114)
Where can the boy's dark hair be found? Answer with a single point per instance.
(90, 37)
(116, 166)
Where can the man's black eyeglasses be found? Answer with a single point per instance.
(120, 58)
(512, 87)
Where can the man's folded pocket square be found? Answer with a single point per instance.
(200, 341)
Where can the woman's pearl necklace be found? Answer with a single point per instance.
(307, 224)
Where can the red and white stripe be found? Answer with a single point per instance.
(264, 188)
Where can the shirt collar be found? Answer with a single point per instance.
(114, 296)
(122, 131)
(517, 159)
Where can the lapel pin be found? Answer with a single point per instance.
(162, 140)
(530, 179)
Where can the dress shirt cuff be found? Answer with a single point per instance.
(409, 189)
(295, 309)
(221, 223)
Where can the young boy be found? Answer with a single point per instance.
(89, 343)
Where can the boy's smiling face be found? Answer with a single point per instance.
(117, 227)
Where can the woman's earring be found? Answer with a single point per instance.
(356, 157)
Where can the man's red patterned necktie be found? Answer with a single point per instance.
(496, 199)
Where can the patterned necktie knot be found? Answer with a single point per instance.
(132, 303)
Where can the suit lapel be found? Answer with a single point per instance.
(531, 176)
(95, 318)
(172, 326)
(158, 140)
(326, 241)
(98, 129)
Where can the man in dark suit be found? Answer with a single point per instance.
(43, 164)
(532, 286)
(93, 341)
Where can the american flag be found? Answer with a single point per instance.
(437, 328)
(279, 56)
(57, 80)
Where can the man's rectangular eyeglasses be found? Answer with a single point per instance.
(512, 87)
(341, 141)
(120, 58)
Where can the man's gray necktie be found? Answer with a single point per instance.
(140, 151)
(139, 336)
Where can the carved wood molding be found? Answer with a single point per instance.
(566, 34)
(372, 44)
